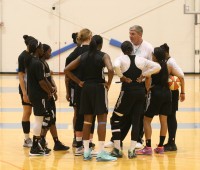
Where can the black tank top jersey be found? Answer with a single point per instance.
(21, 65)
(156, 80)
(76, 53)
(92, 67)
(133, 73)
(35, 73)
(47, 70)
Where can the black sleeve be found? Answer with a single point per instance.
(21, 65)
(69, 59)
(39, 71)
(72, 56)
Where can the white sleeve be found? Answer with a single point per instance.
(148, 67)
(117, 67)
(150, 52)
(175, 69)
(117, 62)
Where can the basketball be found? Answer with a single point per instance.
(174, 82)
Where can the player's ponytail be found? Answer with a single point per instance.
(160, 56)
(95, 44)
(165, 47)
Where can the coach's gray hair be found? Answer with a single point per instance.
(137, 28)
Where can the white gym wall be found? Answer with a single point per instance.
(163, 21)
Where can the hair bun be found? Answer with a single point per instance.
(25, 37)
(74, 37)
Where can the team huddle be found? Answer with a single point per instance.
(143, 72)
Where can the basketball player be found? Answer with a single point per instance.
(74, 91)
(58, 146)
(171, 119)
(132, 96)
(39, 92)
(70, 92)
(94, 93)
(143, 49)
(27, 107)
(160, 104)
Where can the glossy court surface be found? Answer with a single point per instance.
(14, 157)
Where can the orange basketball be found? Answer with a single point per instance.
(174, 82)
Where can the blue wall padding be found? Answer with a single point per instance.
(115, 43)
(57, 52)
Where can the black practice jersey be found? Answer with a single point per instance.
(75, 54)
(133, 73)
(47, 71)
(21, 66)
(92, 67)
(157, 80)
(35, 73)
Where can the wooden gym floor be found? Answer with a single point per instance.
(13, 156)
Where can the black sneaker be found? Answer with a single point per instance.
(116, 153)
(170, 147)
(44, 148)
(74, 143)
(47, 149)
(131, 154)
(91, 145)
(43, 145)
(60, 147)
(36, 151)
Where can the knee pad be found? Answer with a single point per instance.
(48, 120)
(37, 127)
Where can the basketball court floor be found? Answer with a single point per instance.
(14, 157)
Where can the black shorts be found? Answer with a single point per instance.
(94, 99)
(160, 102)
(23, 102)
(75, 94)
(40, 106)
(131, 100)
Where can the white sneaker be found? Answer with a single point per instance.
(139, 145)
(109, 144)
(28, 143)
